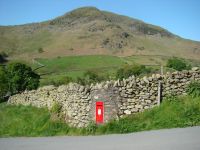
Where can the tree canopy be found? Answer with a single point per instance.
(17, 77)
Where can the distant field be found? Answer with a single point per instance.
(80, 63)
(150, 60)
(96, 62)
(75, 66)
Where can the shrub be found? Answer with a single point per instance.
(90, 77)
(130, 70)
(3, 83)
(40, 50)
(2, 58)
(21, 77)
(81, 81)
(178, 64)
(4, 54)
(59, 81)
(193, 89)
(71, 49)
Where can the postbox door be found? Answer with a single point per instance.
(99, 112)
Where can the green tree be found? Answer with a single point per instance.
(3, 83)
(178, 64)
(21, 77)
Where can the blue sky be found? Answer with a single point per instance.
(181, 17)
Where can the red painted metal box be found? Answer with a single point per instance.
(99, 112)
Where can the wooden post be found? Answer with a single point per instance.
(159, 93)
(160, 87)
(161, 70)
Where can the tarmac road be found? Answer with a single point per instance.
(167, 139)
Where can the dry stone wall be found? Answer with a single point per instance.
(120, 98)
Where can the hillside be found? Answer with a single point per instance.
(90, 31)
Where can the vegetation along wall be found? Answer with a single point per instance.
(77, 103)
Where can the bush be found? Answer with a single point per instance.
(178, 64)
(193, 89)
(21, 77)
(3, 83)
(2, 59)
(61, 81)
(130, 70)
(71, 49)
(90, 77)
(40, 50)
(4, 54)
(81, 81)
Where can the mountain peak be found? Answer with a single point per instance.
(84, 12)
(86, 8)
(87, 13)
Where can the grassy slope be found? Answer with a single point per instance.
(30, 121)
(75, 66)
(80, 63)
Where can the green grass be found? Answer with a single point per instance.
(76, 66)
(148, 59)
(173, 113)
(99, 63)
(28, 121)
(80, 63)
(31, 121)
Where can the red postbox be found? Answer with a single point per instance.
(99, 112)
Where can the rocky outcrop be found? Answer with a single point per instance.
(120, 98)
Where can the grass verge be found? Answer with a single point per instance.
(173, 113)
(31, 121)
(28, 121)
